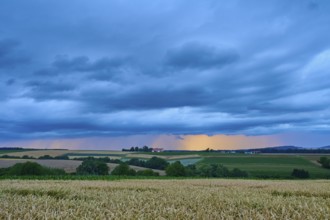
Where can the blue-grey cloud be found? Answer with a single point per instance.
(9, 57)
(75, 69)
(195, 55)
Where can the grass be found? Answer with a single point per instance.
(13, 151)
(94, 155)
(201, 153)
(256, 160)
(90, 177)
(258, 166)
(273, 166)
(165, 199)
(186, 162)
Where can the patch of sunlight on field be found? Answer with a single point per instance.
(83, 156)
(165, 199)
(144, 156)
(186, 162)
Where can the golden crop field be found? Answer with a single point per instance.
(165, 199)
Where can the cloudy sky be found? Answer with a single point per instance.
(179, 74)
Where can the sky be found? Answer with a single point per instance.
(177, 74)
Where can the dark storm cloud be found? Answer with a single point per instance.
(104, 68)
(83, 64)
(199, 56)
(148, 97)
(101, 68)
(9, 56)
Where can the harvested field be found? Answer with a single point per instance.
(54, 153)
(39, 153)
(165, 199)
(166, 157)
(143, 156)
(183, 157)
(111, 157)
(186, 162)
(69, 166)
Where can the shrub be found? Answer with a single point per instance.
(102, 159)
(238, 173)
(152, 163)
(191, 170)
(93, 167)
(175, 169)
(216, 170)
(300, 173)
(8, 156)
(204, 170)
(32, 169)
(147, 172)
(46, 157)
(27, 157)
(3, 171)
(325, 162)
(157, 163)
(62, 157)
(123, 170)
(219, 170)
(212, 170)
(137, 162)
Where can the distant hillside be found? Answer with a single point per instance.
(325, 147)
(288, 149)
(11, 148)
(276, 148)
(285, 148)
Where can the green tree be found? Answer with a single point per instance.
(62, 157)
(46, 157)
(218, 170)
(175, 169)
(238, 173)
(137, 162)
(157, 163)
(204, 170)
(27, 169)
(147, 172)
(325, 162)
(191, 170)
(27, 157)
(123, 170)
(300, 173)
(32, 169)
(212, 170)
(93, 167)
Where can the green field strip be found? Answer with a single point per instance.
(95, 154)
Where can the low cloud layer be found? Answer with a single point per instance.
(102, 69)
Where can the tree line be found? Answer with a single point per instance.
(98, 166)
(139, 149)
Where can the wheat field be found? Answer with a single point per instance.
(165, 199)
